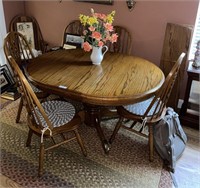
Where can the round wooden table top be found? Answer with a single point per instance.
(119, 80)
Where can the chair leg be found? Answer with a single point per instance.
(41, 160)
(151, 143)
(80, 142)
(19, 110)
(28, 142)
(119, 123)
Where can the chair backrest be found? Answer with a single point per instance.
(75, 27)
(34, 108)
(29, 27)
(16, 45)
(162, 95)
(124, 41)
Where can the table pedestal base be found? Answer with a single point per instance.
(92, 118)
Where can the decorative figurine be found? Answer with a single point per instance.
(196, 62)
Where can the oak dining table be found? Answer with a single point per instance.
(119, 80)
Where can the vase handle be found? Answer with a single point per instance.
(106, 49)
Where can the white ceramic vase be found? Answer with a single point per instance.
(97, 54)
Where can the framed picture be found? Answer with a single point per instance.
(6, 70)
(26, 29)
(73, 41)
(5, 81)
(105, 2)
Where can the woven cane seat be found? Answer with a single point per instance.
(58, 113)
(141, 107)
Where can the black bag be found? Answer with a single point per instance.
(169, 138)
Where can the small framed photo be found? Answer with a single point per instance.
(75, 41)
(26, 29)
(6, 79)
(4, 82)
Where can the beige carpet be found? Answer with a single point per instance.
(127, 164)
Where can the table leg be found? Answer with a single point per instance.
(92, 118)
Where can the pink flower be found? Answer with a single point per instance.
(108, 27)
(86, 46)
(91, 28)
(107, 38)
(114, 37)
(100, 43)
(101, 16)
(96, 35)
(85, 32)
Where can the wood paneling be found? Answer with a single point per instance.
(177, 40)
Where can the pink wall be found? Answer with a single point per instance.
(146, 22)
(12, 8)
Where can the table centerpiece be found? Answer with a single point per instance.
(98, 31)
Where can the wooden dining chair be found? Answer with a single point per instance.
(28, 25)
(49, 119)
(74, 27)
(16, 45)
(149, 111)
(124, 41)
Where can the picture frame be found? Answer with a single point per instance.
(4, 68)
(6, 80)
(105, 2)
(26, 29)
(72, 41)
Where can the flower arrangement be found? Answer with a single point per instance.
(98, 29)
